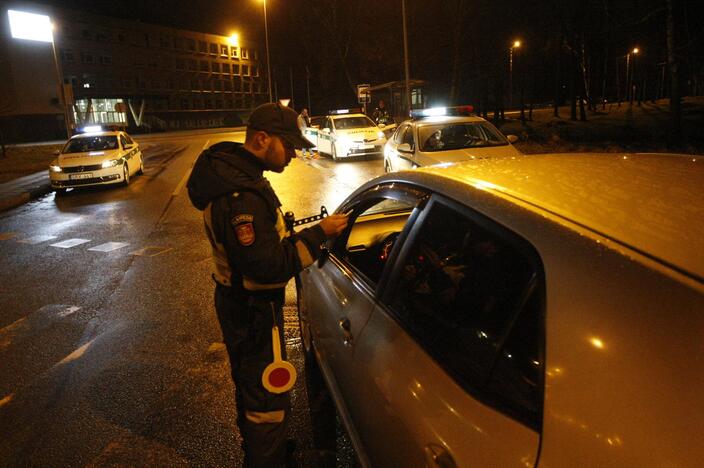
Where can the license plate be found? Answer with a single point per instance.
(366, 146)
(84, 175)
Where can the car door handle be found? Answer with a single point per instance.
(438, 456)
(346, 327)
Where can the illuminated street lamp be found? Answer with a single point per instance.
(516, 44)
(234, 40)
(630, 73)
(268, 61)
(34, 27)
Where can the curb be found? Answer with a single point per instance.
(22, 198)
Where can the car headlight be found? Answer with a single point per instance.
(380, 134)
(54, 168)
(111, 163)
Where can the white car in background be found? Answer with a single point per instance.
(96, 158)
(346, 134)
(445, 135)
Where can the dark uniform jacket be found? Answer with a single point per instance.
(252, 250)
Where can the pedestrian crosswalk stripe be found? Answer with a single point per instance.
(36, 239)
(108, 246)
(151, 251)
(7, 235)
(67, 244)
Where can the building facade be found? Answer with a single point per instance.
(140, 76)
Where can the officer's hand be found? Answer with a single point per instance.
(334, 224)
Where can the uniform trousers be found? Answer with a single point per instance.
(262, 417)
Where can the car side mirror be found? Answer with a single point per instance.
(324, 255)
(512, 138)
(128, 146)
(404, 148)
(381, 126)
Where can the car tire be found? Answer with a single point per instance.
(125, 175)
(320, 403)
(141, 165)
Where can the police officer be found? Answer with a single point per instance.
(254, 258)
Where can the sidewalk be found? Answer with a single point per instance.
(21, 190)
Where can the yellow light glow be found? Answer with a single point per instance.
(597, 343)
(516, 44)
(636, 50)
(234, 39)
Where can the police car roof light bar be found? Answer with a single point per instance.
(466, 110)
(354, 110)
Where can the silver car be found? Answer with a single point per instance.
(543, 311)
(436, 139)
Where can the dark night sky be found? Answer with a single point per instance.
(363, 44)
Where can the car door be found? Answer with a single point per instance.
(448, 371)
(341, 293)
(325, 137)
(403, 149)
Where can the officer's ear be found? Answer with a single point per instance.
(259, 141)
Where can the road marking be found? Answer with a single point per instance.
(68, 311)
(7, 235)
(151, 251)
(6, 400)
(76, 354)
(183, 181)
(36, 239)
(108, 246)
(217, 346)
(67, 244)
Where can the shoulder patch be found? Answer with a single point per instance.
(241, 219)
(245, 234)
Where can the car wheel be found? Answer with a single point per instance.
(320, 403)
(141, 165)
(334, 153)
(60, 191)
(125, 175)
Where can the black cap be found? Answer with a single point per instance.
(279, 120)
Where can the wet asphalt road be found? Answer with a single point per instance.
(113, 356)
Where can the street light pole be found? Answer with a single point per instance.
(630, 73)
(405, 57)
(268, 60)
(62, 90)
(516, 44)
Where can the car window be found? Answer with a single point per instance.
(91, 143)
(469, 296)
(129, 139)
(376, 224)
(123, 140)
(398, 136)
(346, 123)
(451, 136)
(408, 136)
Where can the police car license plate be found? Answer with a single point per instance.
(366, 146)
(84, 175)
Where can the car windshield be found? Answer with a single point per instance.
(452, 136)
(91, 143)
(346, 123)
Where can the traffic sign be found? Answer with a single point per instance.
(363, 94)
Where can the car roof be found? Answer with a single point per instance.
(651, 203)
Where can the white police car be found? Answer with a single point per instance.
(96, 158)
(345, 133)
(443, 134)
